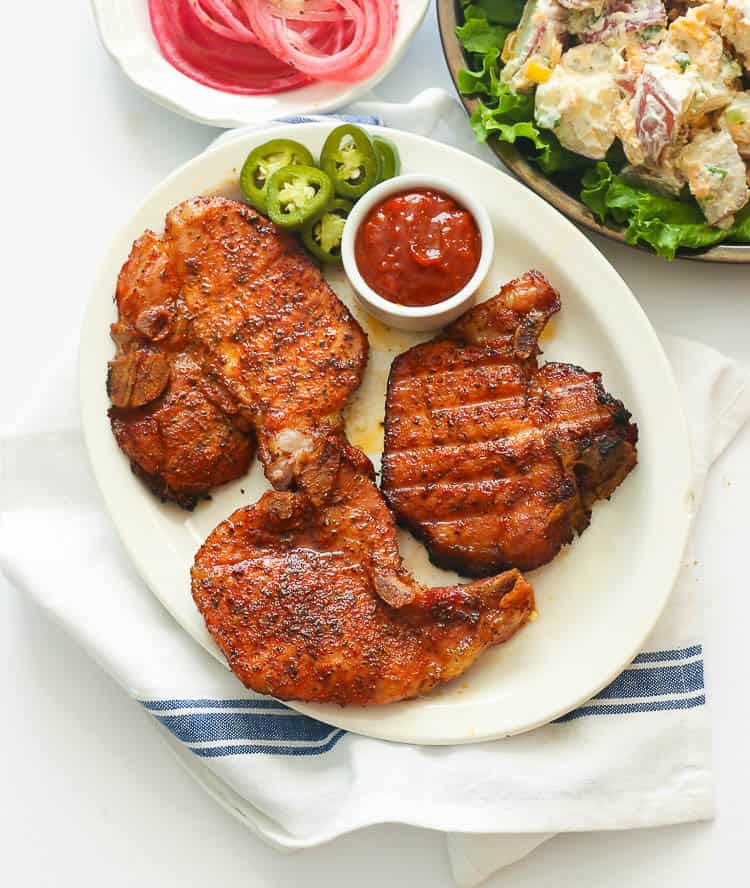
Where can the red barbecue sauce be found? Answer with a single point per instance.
(418, 247)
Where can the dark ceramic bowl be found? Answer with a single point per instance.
(448, 18)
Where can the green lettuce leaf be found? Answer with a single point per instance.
(499, 12)
(478, 35)
(508, 107)
(595, 185)
(551, 157)
(666, 237)
(664, 223)
(485, 81)
(510, 117)
(739, 233)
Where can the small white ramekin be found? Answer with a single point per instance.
(421, 317)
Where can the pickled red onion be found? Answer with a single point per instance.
(266, 46)
(221, 19)
(213, 60)
(371, 25)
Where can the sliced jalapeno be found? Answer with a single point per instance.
(297, 193)
(389, 163)
(322, 234)
(263, 161)
(350, 160)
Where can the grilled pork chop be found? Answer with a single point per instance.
(226, 332)
(307, 598)
(490, 460)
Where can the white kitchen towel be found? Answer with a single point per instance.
(298, 782)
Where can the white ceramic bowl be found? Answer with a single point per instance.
(421, 317)
(125, 29)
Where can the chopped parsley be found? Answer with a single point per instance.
(648, 34)
(717, 171)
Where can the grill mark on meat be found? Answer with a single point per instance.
(441, 375)
(522, 435)
(459, 447)
(480, 484)
(506, 473)
(496, 403)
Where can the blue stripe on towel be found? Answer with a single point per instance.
(285, 724)
(222, 751)
(168, 705)
(623, 708)
(214, 728)
(681, 678)
(680, 654)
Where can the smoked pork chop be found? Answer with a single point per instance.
(490, 460)
(226, 333)
(306, 596)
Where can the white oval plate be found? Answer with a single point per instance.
(597, 601)
(125, 30)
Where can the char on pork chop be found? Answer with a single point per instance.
(226, 333)
(307, 598)
(491, 460)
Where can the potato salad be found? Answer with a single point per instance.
(646, 94)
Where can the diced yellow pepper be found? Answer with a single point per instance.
(537, 73)
(692, 29)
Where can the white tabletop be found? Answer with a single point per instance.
(90, 795)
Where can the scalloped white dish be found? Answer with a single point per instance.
(597, 601)
(125, 30)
